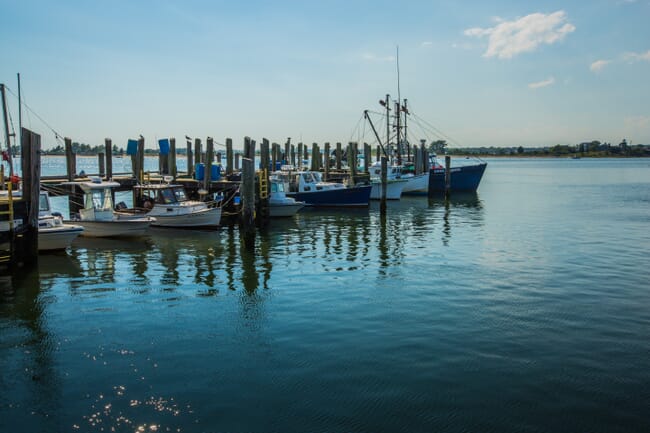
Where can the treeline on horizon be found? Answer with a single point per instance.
(588, 149)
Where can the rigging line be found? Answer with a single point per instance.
(56, 134)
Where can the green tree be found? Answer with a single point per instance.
(438, 146)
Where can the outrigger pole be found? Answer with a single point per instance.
(365, 113)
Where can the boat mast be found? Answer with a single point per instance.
(398, 114)
(406, 140)
(20, 113)
(6, 124)
(387, 123)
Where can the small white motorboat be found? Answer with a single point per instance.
(169, 206)
(53, 234)
(279, 204)
(98, 217)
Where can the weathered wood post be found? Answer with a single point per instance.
(274, 156)
(101, 161)
(384, 183)
(26, 248)
(287, 148)
(173, 170)
(248, 203)
(367, 156)
(378, 153)
(293, 155)
(339, 156)
(306, 156)
(70, 161)
(140, 175)
(352, 161)
(190, 158)
(237, 158)
(197, 151)
(229, 156)
(265, 162)
(327, 160)
(108, 144)
(447, 175)
(209, 154)
(314, 159)
(300, 153)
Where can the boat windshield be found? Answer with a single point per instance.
(179, 193)
(311, 177)
(43, 203)
(99, 199)
(166, 196)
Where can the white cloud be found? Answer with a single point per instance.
(510, 38)
(426, 44)
(637, 57)
(541, 84)
(598, 65)
(370, 57)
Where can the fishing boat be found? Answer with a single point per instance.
(308, 186)
(98, 217)
(169, 205)
(279, 204)
(394, 183)
(464, 177)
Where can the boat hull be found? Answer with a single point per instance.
(394, 190)
(115, 228)
(464, 178)
(417, 184)
(57, 238)
(357, 196)
(209, 217)
(284, 209)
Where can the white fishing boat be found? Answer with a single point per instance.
(394, 185)
(279, 204)
(170, 207)
(98, 217)
(53, 233)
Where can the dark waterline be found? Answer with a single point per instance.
(525, 307)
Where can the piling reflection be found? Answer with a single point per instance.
(31, 396)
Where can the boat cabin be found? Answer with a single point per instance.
(98, 200)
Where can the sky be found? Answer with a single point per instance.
(483, 73)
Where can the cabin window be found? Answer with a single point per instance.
(43, 203)
(179, 193)
(166, 196)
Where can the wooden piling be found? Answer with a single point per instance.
(327, 160)
(209, 154)
(300, 153)
(101, 161)
(197, 151)
(293, 155)
(314, 159)
(367, 155)
(237, 158)
(173, 170)
(26, 247)
(108, 145)
(140, 155)
(384, 183)
(70, 161)
(265, 161)
(229, 156)
(190, 159)
(447, 175)
(287, 148)
(248, 203)
(339, 156)
(352, 161)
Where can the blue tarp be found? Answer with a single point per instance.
(164, 146)
(132, 147)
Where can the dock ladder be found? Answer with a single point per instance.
(4, 258)
(264, 184)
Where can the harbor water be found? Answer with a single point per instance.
(522, 308)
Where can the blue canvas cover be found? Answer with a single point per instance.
(132, 147)
(164, 146)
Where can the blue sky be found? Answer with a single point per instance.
(499, 73)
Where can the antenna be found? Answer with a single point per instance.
(397, 61)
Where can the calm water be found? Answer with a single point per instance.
(525, 307)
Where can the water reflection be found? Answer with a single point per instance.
(31, 395)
